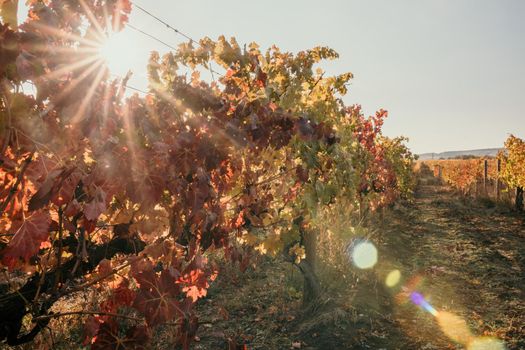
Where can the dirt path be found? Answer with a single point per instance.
(467, 259)
(464, 257)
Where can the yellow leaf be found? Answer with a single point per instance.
(8, 12)
(66, 255)
(251, 239)
(267, 220)
(271, 245)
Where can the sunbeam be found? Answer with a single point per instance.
(118, 51)
(89, 95)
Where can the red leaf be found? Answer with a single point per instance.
(240, 220)
(104, 267)
(91, 327)
(110, 337)
(146, 189)
(68, 183)
(28, 235)
(261, 78)
(107, 337)
(25, 66)
(121, 296)
(59, 186)
(73, 208)
(97, 206)
(195, 279)
(44, 193)
(302, 173)
(120, 15)
(157, 296)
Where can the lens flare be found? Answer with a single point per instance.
(454, 327)
(393, 278)
(419, 300)
(364, 255)
(485, 343)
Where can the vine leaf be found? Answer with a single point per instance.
(157, 295)
(120, 15)
(109, 337)
(97, 206)
(102, 330)
(59, 182)
(195, 279)
(44, 193)
(28, 236)
(8, 12)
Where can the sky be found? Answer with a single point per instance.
(451, 73)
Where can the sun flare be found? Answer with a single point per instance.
(117, 51)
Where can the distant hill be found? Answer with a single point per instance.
(490, 152)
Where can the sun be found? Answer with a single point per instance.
(118, 52)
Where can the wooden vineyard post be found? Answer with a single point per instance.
(519, 198)
(497, 179)
(485, 176)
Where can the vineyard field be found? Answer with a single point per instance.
(161, 191)
(468, 175)
(476, 177)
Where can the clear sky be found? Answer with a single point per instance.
(450, 72)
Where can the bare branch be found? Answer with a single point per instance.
(57, 315)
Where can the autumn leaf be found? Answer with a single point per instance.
(120, 15)
(104, 268)
(8, 12)
(120, 296)
(107, 337)
(69, 181)
(302, 173)
(29, 234)
(97, 206)
(157, 294)
(110, 337)
(194, 279)
(91, 328)
(146, 189)
(44, 193)
(58, 186)
(261, 78)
